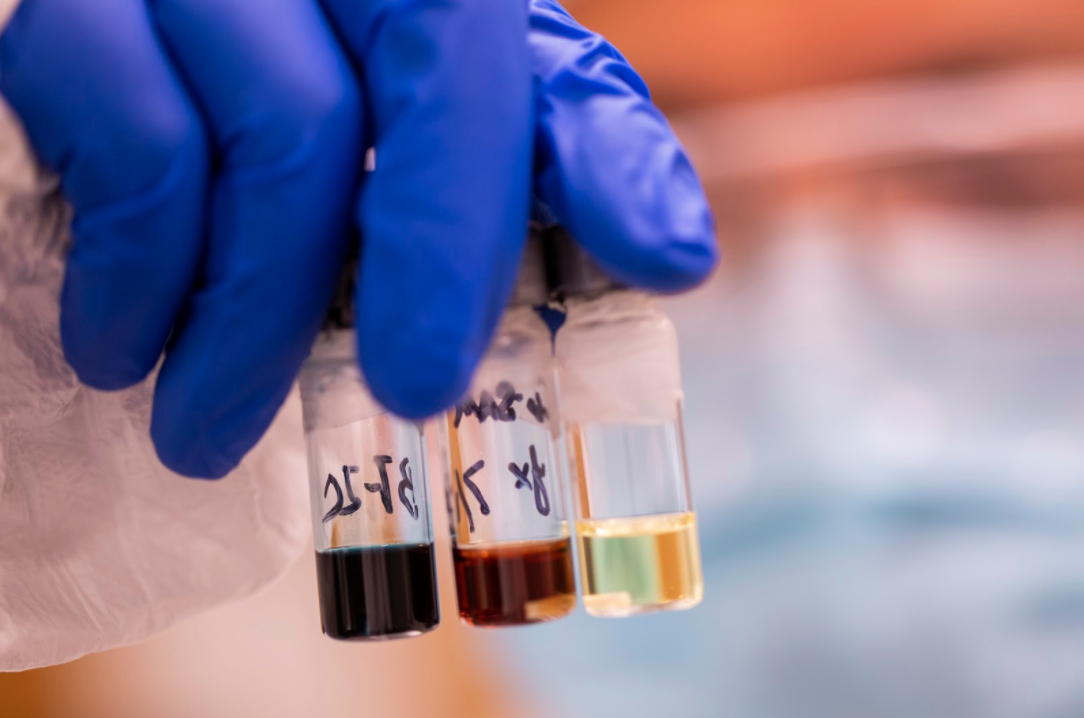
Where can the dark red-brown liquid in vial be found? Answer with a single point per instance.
(377, 592)
(515, 583)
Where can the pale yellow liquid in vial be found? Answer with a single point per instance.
(641, 564)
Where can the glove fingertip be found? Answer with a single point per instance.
(667, 245)
(689, 248)
(100, 375)
(185, 452)
(682, 265)
(104, 378)
(95, 363)
(415, 378)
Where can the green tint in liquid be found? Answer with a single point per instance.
(641, 564)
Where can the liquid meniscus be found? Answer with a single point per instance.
(377, 592)
(515, 583)
(640, 564)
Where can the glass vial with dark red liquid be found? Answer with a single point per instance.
(511, 544)
(515, 582)
(370, 503)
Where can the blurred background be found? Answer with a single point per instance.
(885, 406)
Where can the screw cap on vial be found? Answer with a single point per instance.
(340, 313)
(570, 272)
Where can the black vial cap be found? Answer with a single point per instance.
(570, 271)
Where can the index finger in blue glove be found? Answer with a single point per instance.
(102, 106)
(443, 216)
(608, 163)
(284, 114)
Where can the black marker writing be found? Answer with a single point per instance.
(521, 475)
(541, 496)
(500, 409)
(383, 488)
(355, 502)
(478, 466)
(537, 409)
(537, 473)
(504, 411)
(407, 484)
(338, 509)
(462, 499)
(332, 483)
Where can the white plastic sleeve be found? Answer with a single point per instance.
(7, 9)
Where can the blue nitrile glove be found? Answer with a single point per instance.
(212, 151)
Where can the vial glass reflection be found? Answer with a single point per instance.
(511, 543)
(621, 398)
(370, 504)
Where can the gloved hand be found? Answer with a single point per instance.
(212, 152)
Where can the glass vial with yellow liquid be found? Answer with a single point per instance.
(512, 548)
(369, 490)
(621, 396)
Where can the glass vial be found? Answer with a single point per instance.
(512, 549)
(370, 503)
(620, 384)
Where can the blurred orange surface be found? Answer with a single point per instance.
(694, 51)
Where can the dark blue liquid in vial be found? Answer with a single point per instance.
(378, 591)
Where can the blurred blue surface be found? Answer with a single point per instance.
(884, 434)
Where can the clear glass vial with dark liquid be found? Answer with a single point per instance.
(370, 501)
